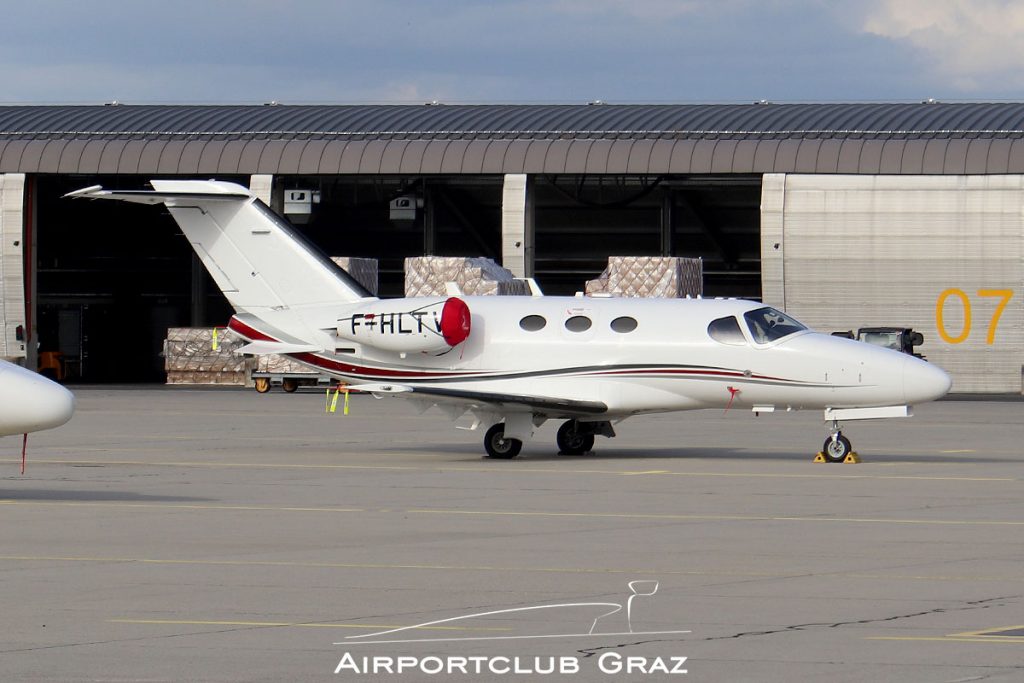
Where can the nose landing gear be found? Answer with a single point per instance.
(837, 448)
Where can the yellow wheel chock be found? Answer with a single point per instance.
(851, 459)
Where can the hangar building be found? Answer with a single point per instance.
(846, 215)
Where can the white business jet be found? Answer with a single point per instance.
(516, 362)
(29, 402)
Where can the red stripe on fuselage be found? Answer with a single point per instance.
(349, 369)
(679, 371)
(250, 333)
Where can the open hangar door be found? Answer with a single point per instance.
(112, 277)
(582, 220)
(579, 222)
(389, 218)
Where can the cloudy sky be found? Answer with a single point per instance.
(532, 51)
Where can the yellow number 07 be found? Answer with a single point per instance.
(940, 306)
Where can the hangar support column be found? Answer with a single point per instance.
(773, 244)
(263, 187)
(17, 274)
(517, 251)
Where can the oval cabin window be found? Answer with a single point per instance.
(726, 331)
(533, 323)
(578, 323)
(623, 324)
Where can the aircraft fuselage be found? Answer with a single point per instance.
(633, 355)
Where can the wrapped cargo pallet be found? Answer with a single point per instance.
(275, 364)
(649, 276)
(191, 356)
(429, 276)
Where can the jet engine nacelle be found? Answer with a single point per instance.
(408, 325)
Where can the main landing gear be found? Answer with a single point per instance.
(574, 437)
(497, 446)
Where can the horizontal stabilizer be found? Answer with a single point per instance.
(261, 348)
(149, 197)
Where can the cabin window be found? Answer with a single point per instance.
(726, 331)
(768, 324)
(624, 324)
(533, 323)
(578, 323)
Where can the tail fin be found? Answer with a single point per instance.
(261, 264)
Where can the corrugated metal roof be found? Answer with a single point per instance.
(332, 139)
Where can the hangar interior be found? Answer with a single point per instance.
(111, 278)
(846, 215)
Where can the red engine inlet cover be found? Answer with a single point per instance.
(455, 321)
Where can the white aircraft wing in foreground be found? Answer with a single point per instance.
(515, 362)
(29, 402)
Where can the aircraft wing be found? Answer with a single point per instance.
(546, 404)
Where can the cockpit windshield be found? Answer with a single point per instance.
(768, 324)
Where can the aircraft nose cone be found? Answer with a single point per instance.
(32, 402)
(923, 381)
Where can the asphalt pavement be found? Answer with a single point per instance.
(173, 535)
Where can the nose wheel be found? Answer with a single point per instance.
(836, 448)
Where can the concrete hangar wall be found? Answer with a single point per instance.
(848, 215)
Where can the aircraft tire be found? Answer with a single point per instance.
(571, 441)
(497, 446)
(836, 451)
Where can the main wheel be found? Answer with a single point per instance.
(836, 450)
(498, 446)
(262, 384)
(571, 441)
(289, 384)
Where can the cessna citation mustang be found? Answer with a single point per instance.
(29, 402)
(516, 362)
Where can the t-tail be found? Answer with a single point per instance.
(268, 272)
